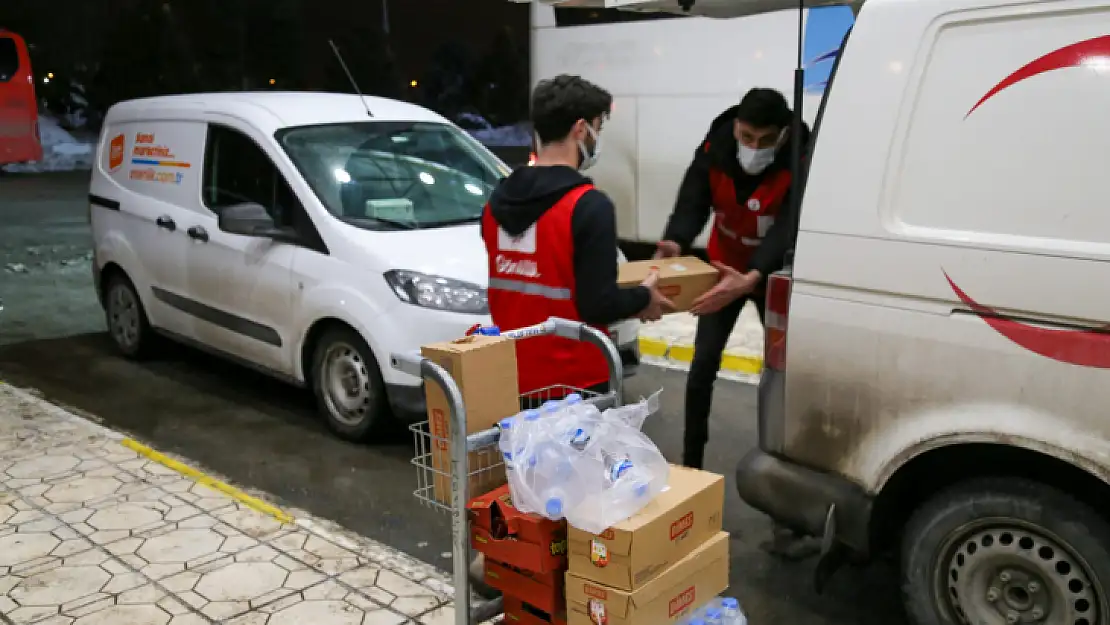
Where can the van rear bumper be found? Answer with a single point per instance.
(799, 498)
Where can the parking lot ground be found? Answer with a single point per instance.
(264, 437)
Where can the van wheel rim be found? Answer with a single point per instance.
(123, 317)
(1008, 572)
(347, 384)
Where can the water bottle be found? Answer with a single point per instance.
(731, 608)
(696, 621)
(621, 473)
(554, 503)
(714, 616)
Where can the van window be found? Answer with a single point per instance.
(587, 17)
(236, 170)
(395, 175)
(9, 59)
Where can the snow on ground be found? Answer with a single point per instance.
(61, 151)
(505, 136)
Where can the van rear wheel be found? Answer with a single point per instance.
(1006, 551)
(349, 388)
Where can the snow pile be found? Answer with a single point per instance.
(505, 136)
(61, 151)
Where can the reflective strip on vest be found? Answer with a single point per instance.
(529, 288)
(750, 242)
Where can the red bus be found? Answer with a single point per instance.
(19, 126)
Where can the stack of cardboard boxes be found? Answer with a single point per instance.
(657, 566)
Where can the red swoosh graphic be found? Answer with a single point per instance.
(1086, 348)
(1072, 55)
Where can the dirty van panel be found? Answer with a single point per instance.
(877, 384)
(159, 160)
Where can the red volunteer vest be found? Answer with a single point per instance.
(739, 228)
(531, 278)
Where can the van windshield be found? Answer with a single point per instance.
(395, 175)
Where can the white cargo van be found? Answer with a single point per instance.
(938, 359)
(305, 235)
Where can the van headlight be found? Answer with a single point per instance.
(437, 292)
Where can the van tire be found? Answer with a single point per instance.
(1023, 541)
(127, 322)
(348, 384)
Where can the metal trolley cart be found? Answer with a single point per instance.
(484, 446)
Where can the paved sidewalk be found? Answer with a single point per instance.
(93, 532)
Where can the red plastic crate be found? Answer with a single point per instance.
(541, 590)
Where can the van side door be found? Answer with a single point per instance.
(245, 283)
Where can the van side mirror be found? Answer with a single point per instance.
(252, 220)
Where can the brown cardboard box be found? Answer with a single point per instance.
(484, 367)
(691, 582)
(635, 551)
(682, 279)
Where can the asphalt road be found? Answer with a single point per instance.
(264, 435)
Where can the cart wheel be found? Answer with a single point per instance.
(348, 385)
(1006, 550)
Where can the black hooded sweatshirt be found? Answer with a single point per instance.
(522, 198)
(695, 200)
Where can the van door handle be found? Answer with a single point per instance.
(198, 233)
(165, 222)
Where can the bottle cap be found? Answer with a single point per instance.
(713, 614)
(531, 415)
(554, 507)
(505, 423)
(730, 603)
(550, 406)
(697, 621)
(574, 398)
(490, 331)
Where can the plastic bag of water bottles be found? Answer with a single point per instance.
(567, 460)
(719, 611)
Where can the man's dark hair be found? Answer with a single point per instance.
(764, 108)
(558, 103)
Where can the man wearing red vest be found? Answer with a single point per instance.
(552, 242)
(740, 173)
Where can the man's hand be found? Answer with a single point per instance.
(667, 249)
(731, 286)
(659, 305)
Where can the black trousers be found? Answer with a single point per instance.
(709, 345)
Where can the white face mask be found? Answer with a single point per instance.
(589, 160)
(755, 161)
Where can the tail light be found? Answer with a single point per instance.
(532, 159)
(778, 308)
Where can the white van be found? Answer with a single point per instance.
(305, 235)
(938, 359)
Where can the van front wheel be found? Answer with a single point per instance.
(348, 385)
(1008, 551)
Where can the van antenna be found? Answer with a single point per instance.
(796, 134)
(339, 57)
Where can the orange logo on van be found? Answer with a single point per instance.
(684, 600)
(115, 153)
(683, 525)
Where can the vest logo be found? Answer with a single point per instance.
(682, 601)
(115, 153)
(522, 268)
(754, 204)
(682, 525)
(524, 243)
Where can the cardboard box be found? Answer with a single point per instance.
(525, 541)
(673, 595)
(541, 590)
(484, 367)
(682, 279)
(519, 612)
(633, 552)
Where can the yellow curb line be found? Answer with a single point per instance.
(685, 354)
(210, 482)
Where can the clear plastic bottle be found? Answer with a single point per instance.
(731, 609)
(695, 621)
(713, 615)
